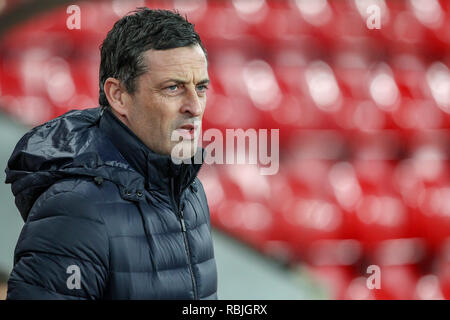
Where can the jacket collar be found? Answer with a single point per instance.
(157, 169)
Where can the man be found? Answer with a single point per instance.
(109, 213)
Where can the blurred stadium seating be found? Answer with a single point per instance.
(364, 119)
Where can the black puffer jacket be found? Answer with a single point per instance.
(94, 197)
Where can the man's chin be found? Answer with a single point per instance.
(183, 151)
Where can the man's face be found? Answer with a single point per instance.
(170, 99)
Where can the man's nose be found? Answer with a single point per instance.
(192, 103)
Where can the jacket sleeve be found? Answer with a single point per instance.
(62, 252)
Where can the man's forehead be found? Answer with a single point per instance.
(178, 60)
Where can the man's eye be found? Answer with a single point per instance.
(202, 87)
(172, 88)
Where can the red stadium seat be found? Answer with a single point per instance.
(442, 267)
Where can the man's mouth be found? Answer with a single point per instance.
(186, 131)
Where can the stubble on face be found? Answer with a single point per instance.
(172, 93)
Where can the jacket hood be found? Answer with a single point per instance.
(69, 146)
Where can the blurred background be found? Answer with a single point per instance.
(364, 119)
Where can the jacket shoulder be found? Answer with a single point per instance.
(74, 197)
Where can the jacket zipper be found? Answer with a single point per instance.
(176, 206)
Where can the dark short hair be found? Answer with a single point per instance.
(141, 30)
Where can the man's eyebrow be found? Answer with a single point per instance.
(204, 81)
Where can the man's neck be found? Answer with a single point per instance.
(121, 117)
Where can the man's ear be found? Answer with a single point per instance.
(117, 97)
